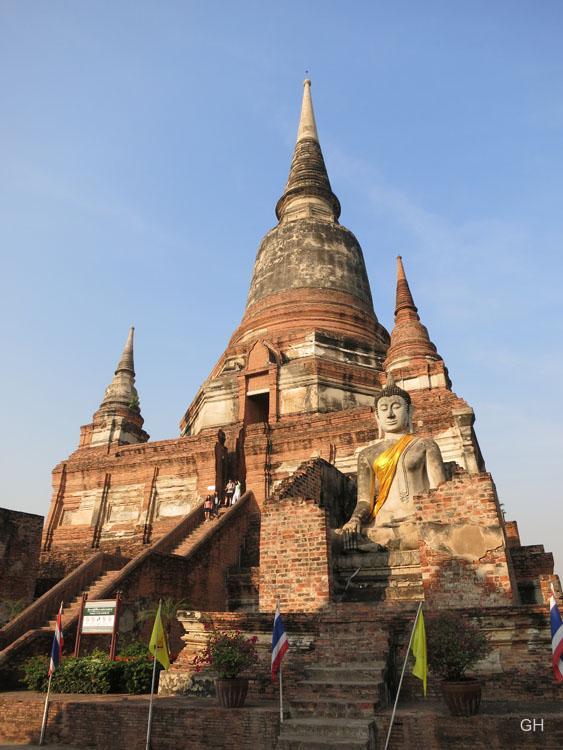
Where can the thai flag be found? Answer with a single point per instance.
(556, 639)
(279, 642)
(57, 647)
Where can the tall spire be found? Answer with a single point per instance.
(410, 341)
(121, 391)
(307, 125)
(308, 193)
(126, 361)
(118, 421)
(404, 300)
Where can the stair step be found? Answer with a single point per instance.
(186, 544)
(295, 742)
(349, 672)
(365, 692)
(355, 650)
(355, 730)
(345, 708)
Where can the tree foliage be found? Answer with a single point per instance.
(454, 644)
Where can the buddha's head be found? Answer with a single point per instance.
(393, 409)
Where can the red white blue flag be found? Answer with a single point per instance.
(279, 643)
(57, 647)
(556, 639)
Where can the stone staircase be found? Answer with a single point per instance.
(95, 591)
(333, 706)
(195, 535)
(243, 580)
(94, 578)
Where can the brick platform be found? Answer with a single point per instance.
(121, 721)
(428, 726)
(190, 723)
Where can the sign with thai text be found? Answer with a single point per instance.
(99, 617)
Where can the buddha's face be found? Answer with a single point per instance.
(393, 414)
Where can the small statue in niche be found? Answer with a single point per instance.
(390, 473)
(221, 465)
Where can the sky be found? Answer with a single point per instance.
(143, 146)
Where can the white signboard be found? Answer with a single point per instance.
(99, 616)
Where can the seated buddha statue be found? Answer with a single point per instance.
(391, 472)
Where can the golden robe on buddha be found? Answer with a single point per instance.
(385, 468)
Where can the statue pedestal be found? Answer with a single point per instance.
(378, 576)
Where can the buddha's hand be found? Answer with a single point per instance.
(350, 533)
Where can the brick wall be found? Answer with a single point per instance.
(110, 721)
(463, 551)
(531, 561)
(496, 727)
(20, 542)
(139, 478)
(512, 533)
(294, 556)
(318, 480)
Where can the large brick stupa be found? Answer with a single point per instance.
(287, 410)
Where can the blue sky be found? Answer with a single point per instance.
(143, 146)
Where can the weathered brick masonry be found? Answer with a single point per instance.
(463, 551)
(20, 540)
(118, 721)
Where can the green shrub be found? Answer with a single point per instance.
(227, 653)
(135, 648)
(35, 673)
(95, 673)
(88, 674)
(137, 675)
(454, 644)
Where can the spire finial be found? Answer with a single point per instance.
(404, 300)
(308, 190)
(126, 360)
(120, 405)
(409, 338)
(307, 125)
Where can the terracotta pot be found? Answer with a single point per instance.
(231, 693)
(463, 697)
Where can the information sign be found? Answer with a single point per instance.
(99, 617)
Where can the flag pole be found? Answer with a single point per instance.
(402, 675)
(45, 709)
(52, 666)
(281, 694)
(148, 746)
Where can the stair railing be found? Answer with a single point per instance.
(46, 606)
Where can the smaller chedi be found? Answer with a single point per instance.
(391, 472)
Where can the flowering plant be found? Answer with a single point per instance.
(228, 654)
(454, 645)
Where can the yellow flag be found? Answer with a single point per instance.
(420, 668)
(158, 645)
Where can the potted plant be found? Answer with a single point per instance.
(456, 644)
(229, 654)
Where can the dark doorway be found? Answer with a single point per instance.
(257, 408)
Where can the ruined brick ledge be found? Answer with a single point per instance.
(103, 721)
